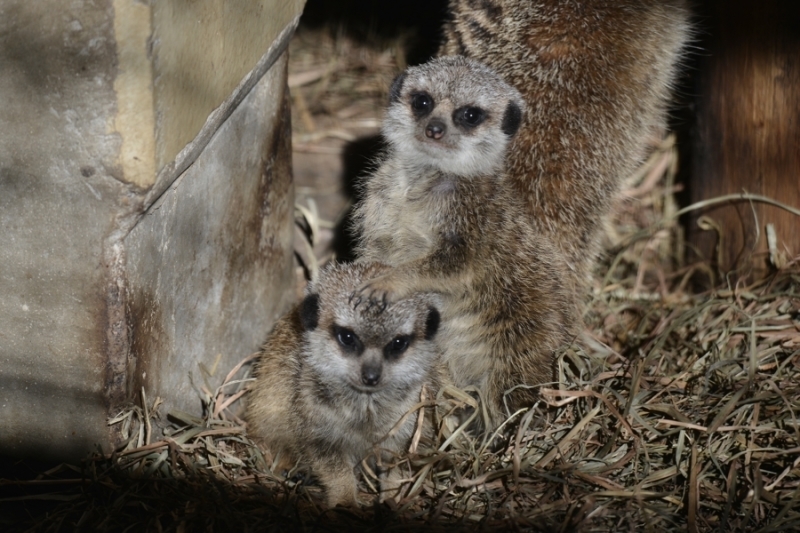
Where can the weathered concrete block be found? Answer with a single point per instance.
(213, 252)
(145, 205)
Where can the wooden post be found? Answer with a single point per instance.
(747, 132)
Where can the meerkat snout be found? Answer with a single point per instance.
(370, 374)
(367, 363)
(435, 129)
(422, 105)
(371, 360)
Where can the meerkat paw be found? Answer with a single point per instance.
(392, 484)
(342, 492)
(340, 484)
(378, 292)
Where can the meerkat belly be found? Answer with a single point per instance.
(464, 344)
(403, 234)
(414, 240)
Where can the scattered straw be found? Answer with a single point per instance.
(675, 413)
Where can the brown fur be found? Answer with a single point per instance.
(506, 308)
(595, 75)
(309, 403)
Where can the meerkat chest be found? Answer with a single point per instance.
(401, 223)
(355, 426)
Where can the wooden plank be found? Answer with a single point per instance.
(747, 131)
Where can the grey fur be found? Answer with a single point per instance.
(442, 213)
(317, 403)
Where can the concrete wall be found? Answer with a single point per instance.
(120, 268)
(207, 258)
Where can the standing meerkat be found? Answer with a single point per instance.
(596, 77)
(440, 210)
(333, 382)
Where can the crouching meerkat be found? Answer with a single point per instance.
(596, 77)
(333, 382)
(441, 211)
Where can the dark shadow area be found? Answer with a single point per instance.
(371, 22)
(359, 159)
(683, 117)
(20, 500)
(208, 476)
(51, 421)
(101, 497)
(687, 124)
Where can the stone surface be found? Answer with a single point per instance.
(59, 195)
(201, 49)
(135, 118)
(85, 221)
(213, 252)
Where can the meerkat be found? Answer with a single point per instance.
(333, 383)
(596, 77)
(440, 210)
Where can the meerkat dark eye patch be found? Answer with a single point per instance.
(421, 104)
(432, 323)
(348, 340)
(512, 118)
(397, 87)
(469, 116)
(397, 346)
(309, 312)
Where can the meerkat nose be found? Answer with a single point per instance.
(370, 375)
(434, 130)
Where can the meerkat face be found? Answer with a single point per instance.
(365, 349)
(453, 114)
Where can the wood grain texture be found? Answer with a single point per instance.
(747, 131)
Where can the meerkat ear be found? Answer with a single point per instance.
(511, 118)
(432, 323)
(397, 88)
(309, 312)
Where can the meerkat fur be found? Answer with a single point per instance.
(333, 382)
(596, 77)
(440, 210)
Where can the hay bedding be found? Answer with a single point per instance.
(675, 411)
